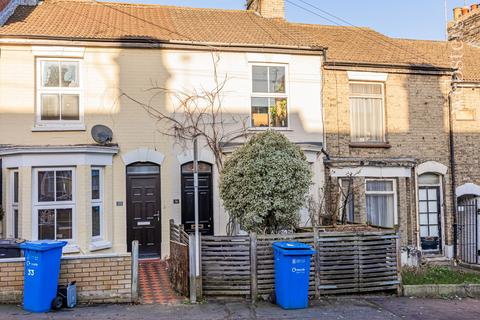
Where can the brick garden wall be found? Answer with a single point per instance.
(103, 279)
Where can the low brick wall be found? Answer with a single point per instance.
(100, 279)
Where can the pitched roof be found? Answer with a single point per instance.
(108, 21)
(139, 22)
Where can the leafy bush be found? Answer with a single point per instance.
(265, 182)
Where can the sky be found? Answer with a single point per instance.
(415, 19)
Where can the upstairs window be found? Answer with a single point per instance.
(58, 92)
(269, 97)
(367, 112)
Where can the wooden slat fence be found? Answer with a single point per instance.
(345, 263)
(178, 264)
(225, 265)
(357, 262)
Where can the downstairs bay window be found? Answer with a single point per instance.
(54, 203)
(380, 203)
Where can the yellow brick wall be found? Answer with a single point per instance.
(99, 280)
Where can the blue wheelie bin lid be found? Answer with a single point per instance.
(42, 245)
(293, 248)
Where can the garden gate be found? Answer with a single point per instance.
(467, 229)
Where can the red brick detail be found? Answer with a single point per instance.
(154, 284)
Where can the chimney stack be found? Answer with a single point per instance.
(465, 25)
(274, 9)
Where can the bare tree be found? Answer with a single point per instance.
(197, 113)
(332, 206)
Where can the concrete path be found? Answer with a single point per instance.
(368, 308)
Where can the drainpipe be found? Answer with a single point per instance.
(452, 168)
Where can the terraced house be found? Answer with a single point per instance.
(368, 110)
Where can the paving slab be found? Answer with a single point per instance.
(358, 308)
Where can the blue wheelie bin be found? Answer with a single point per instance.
(42, 268)
(292, 270)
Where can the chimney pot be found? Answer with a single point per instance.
(474, 7)
(457, 13)
(465, 10)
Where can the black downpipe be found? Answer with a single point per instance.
(453, 172)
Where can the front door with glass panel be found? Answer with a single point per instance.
(205, 198)
(429, 218)
(143, 208)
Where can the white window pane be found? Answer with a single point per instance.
(46, 224)
(367, 119)
(277, 79)
(432, 194)
(423, 219)
(422, 207)
(51, 74)
(50, 108)
(69, 74)
(380, 210)
(46, 186)
(433, 219)
(429, 178)
(70, 107)
(432, 206)
(433, 231)
(278, 112)
(422, 194)
(260, 79)
(423, 231)
(379, 185)
(96, 221)
(64, 185)
(365, 89)
(64, 223)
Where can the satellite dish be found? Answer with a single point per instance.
(102, 134)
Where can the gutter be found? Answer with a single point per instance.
(432, 69)
(156, 43)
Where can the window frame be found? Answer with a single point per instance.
(383, 113)
(58, 124)
(98, 203)
(14, 204)
(394, 192)
(43, 205)
(268, 95)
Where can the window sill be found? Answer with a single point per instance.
(71, 248)
(97, 245)
(270, 128)
(66, 127)
(381, 145)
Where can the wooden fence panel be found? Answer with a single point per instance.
(226, 265)
(357, 262)
(178, 263)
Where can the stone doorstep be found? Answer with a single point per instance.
(442, 290)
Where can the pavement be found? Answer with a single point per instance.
(358, 308)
